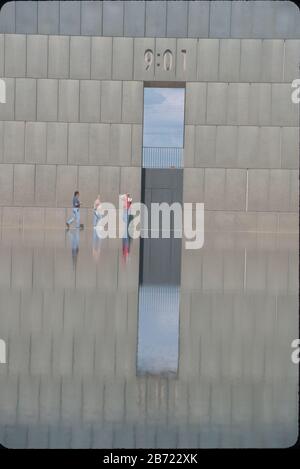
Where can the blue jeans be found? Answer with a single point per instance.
(96, 218)
(75, 217)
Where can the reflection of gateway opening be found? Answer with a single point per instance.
(158, 329)
(160, 259)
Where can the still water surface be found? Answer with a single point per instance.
(97, 360)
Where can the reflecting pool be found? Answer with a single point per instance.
(92, 362)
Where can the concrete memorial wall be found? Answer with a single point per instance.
(73, 117)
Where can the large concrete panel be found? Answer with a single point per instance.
(177, 18)
(214, 197)
(57, 143)
(284, 111)
(35, 142)
(26, 17)
(291, 60)
(8, 17)
(58, 62)
(89, 101)
(248, 146)
(134, 19)
(269, 148)
(111, 101)
(80, 57)
(235, 189)
(186, 60)
(69, 23)
(132, 104)
(208, 60)
(287, 22)
(15, 55)
(120, 145)
(198, 19)
(113, 18)
(229, 63)
(288, 222)
(14, 137)
(110, 184)
(99, 143)
(24, 175)
(279, 190)
(263, 18)
(101, 67)
(2, 55)
(193, 185)
(143, 70)
(225, 189)
(78, 150)
(294, 191)
(45, 184)
(122, 67)
(226, 146)
(216, 103)
(48, 17)
(205, 143)
(1, 141)
(12, 216)
(88, 184)
(68, 104)
(220, 12)
(290, 147)
(47, 100)
(91, 18)
(260, 100)
(136, 145)
(258, 190)
(37, 56)
(251, 60)
(156, 18)
(238, 103)
(66, 184)
(195, 103)
(272, 60)
(6, 184)
(25, 99)
(7, 110)
(241, 19)
(189, 146)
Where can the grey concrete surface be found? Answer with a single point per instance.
(219, 19)
(224, 60)
(58, 57)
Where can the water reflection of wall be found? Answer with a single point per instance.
(71, 374)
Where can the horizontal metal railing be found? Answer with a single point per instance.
(162, 157)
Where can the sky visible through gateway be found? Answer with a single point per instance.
(163, 117)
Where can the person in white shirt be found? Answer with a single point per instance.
(97, 211)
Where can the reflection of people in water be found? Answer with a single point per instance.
(75, 238)
(97, 240)
(126, 242)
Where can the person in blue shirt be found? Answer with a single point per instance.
(76, 211)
